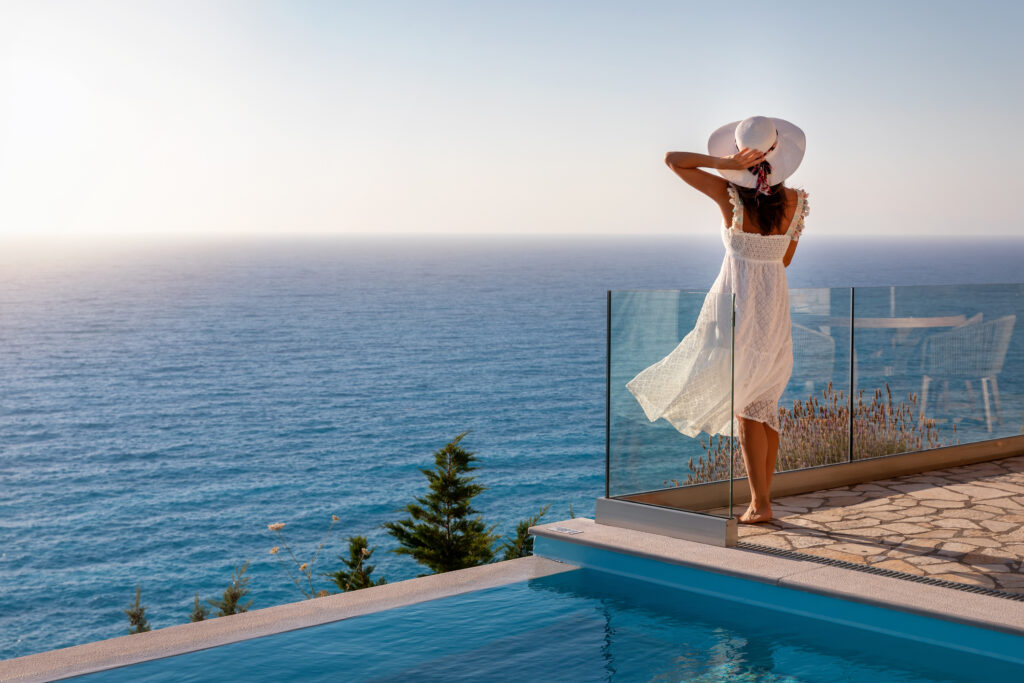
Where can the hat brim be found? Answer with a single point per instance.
(785, 158)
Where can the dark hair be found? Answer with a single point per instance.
(766, 210)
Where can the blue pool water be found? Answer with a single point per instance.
(583, 625)
(160, 406)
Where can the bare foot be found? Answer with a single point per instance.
(753, 516)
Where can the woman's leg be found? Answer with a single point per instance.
(772, 437)
(754, 448)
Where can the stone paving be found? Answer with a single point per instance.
(963, 524)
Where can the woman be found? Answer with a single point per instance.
(762, 222)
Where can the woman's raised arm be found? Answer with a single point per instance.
(685, 165)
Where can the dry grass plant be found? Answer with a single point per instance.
(816, 432)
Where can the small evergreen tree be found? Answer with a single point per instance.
(442, 530)
(137, 614)
(522, 544)
(233, 594)
(199, 611)
(357, 574)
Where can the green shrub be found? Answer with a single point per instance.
(442, 530)
(137, 614)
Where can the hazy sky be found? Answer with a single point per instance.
(247, 117)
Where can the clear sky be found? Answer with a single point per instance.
(293, 117)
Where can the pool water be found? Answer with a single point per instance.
(582, 625)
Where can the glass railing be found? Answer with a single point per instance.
(877, 371)
(657, 342)
(936, 366)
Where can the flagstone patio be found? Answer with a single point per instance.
(963, 524)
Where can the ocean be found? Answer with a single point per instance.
(161, 405)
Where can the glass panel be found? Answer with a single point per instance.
(646, 452)
(814, 409)
(937, 366)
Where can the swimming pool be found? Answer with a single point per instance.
(592, 625)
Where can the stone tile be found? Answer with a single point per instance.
(906, 529)
(973, 579)
(799, 501)
(954, 523)
(921, 560)
(873, 503)
(900, 566)
(919, 519)
(783, 510)
(843, 501)
(938, 478)
(1011, 580)
(1005, 503)
(978, 492)
(922, 543)
(869, 531)
(872, 488)
(774, 541)
(830, 516)
(967, 513)
(934, 493)
(800, 522)
(911, 487)
(832, 553)
(830, 493)
(851, 524)
(943, 503)
(855, 549)
(1003, 485)
(957, 548)
(939, 533)
(800, 541)
(983, 556)
(994, 525)
(888, 507)
(884, 516)
(943, 568)
(981, 542)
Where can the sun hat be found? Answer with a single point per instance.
(784, 142)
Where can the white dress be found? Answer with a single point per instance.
(690, 386)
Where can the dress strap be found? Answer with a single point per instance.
(737, 207)
(796, 226)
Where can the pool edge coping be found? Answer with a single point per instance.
(170, 641)
(938, 602)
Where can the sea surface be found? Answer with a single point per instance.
(161, 405)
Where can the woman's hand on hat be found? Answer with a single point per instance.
(742, 160)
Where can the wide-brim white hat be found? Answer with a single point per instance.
(760, 132)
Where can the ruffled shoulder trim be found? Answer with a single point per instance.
(737, 207)
(804, 210)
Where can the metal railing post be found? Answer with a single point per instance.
(853, 376)
(732, 400)
(608, 398)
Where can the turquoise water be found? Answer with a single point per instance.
(582, 625)
(160, 406)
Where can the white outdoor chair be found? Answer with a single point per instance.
(971, 352)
